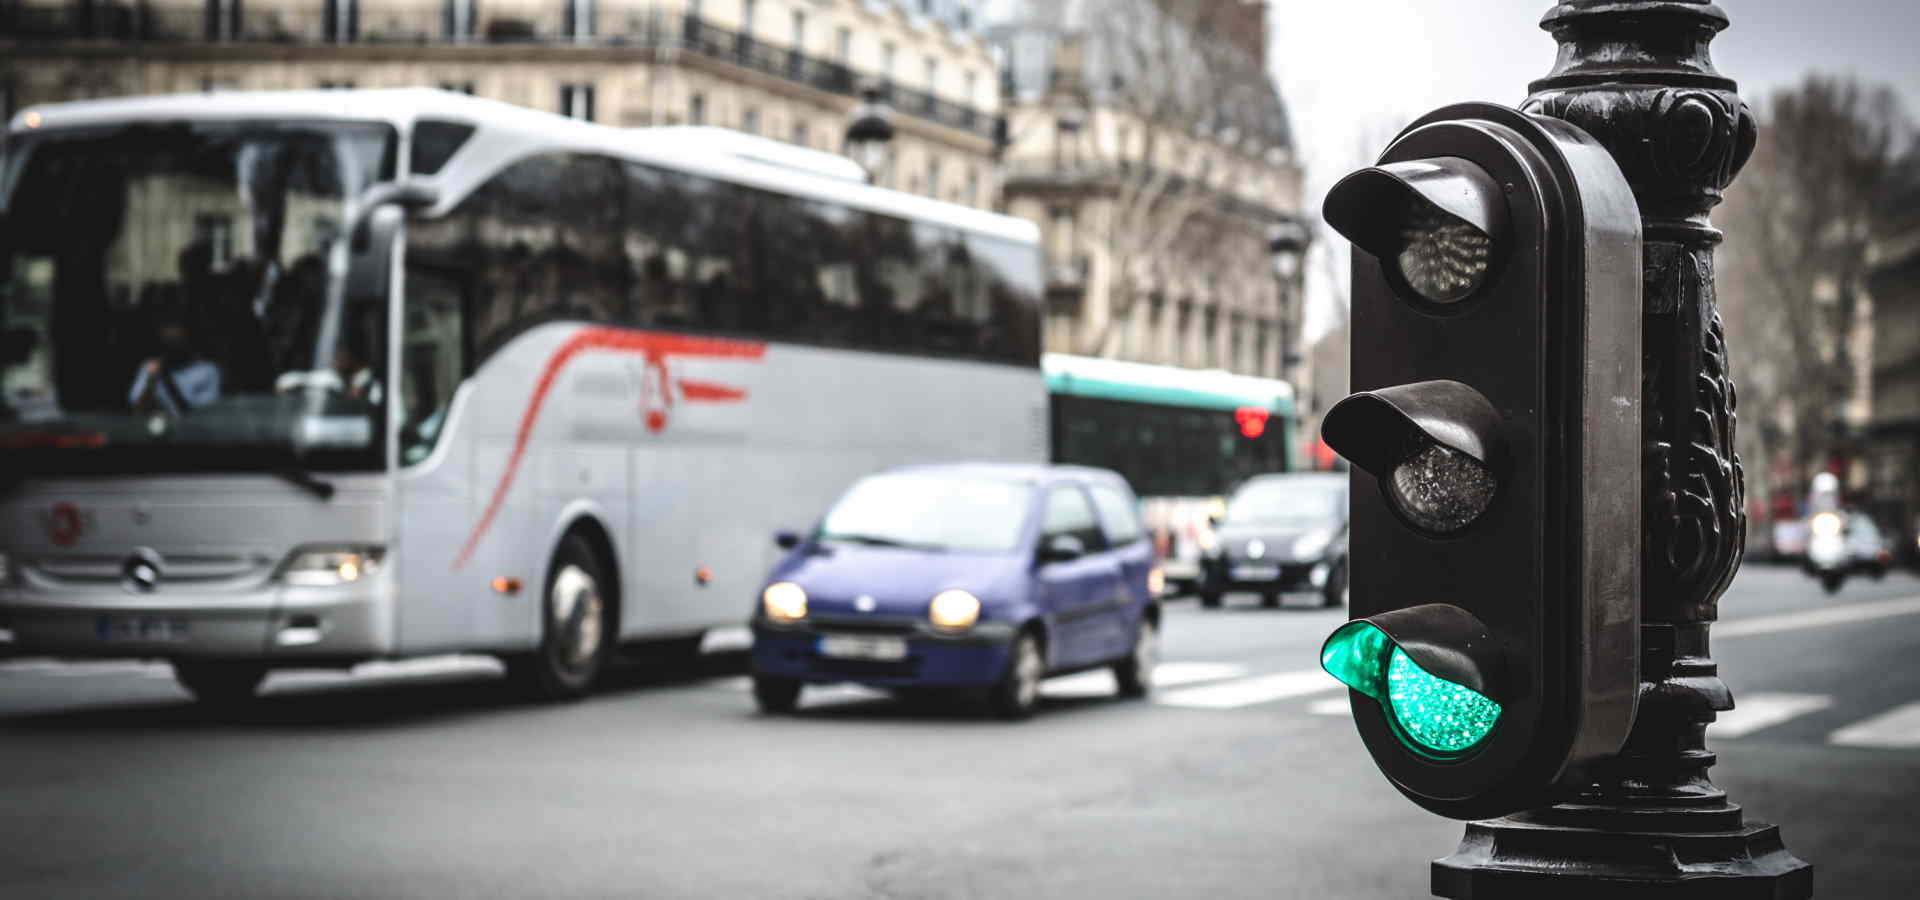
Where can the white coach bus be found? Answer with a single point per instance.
(311, 378)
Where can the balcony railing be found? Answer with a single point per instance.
(615, 25)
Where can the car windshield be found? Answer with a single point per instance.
(1288, 503)
(967, 514)
(172, 296)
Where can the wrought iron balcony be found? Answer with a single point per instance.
(614, 25)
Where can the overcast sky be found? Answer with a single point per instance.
(1353, 71)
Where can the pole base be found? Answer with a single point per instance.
(1569, 852)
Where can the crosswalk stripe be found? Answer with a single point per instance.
(1332, 706)
(1756, 711)
(1898, 727)
(1249, 691)
(1165, 675)
(1833, 615)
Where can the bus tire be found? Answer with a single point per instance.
(575, 620)
(219, 683)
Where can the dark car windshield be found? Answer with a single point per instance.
(1288, 502)
(969, 514)
(165, 298)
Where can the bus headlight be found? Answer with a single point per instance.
(784, 601)
(323, 567)
(954, 610)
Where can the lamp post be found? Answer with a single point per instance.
(1636, 75)
(1287, 241)
(869, 139)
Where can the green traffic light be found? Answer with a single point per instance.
(1434, 715)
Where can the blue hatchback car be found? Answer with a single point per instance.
(984, 576)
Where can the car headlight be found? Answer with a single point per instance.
(954, 610)
(784, 601)
(1826, 524)
(1311, 544)
(320, 567)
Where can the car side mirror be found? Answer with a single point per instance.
(786, 540)
(1062, 548)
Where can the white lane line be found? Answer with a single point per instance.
(1834, 615)
(1899, 727)
(1332, 706)
(1756, 711)
(80, 668)
(1165, 675)
(1249, 691)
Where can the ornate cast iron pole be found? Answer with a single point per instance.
(1636, 74)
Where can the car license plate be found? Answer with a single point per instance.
(140, 628)
(863, 646)
(1255, 573)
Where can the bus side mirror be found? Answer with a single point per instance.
(409, 195)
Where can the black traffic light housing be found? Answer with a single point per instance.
(1495, 437)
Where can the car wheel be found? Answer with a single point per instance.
(776, 696)
(1018, 692)
(219, 683)
(1270, 599)
(574, 632)
(1135, 673)
(1832, 582)
(1210, 599)
(1879, 573)
(1335, 592)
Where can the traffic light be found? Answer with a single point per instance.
(1495, 442)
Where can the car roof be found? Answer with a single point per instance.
(1038, 473)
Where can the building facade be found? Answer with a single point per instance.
(1148, 141)
(787, 69)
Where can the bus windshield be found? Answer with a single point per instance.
(172, 297)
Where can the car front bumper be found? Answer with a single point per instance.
(977, 658)
(1221, 574)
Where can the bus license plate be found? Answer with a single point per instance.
(863, 646)
(1256, 573)
(140, 628)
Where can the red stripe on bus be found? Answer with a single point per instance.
(655, 347)
(708, 392)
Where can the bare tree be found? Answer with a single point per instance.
(1166, 105)
(1798, 224)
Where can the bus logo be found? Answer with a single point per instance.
(657, 390)
(65, 524)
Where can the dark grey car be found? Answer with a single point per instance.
(1281, 533)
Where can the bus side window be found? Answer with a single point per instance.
(432, 357)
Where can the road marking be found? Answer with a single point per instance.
(1754, 712)
(1899, 727)
(1836, 615)
(79, 668)
(1332, 706)
(1249, 691)
(1165, 675)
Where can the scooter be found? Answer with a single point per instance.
(1827, 556)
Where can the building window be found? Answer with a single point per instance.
(971, 81)
(579, 19)
(746, 18)
(697, 109)
(750, 120)
(933, 75)
(843, 46)
(800, 135)
(972, 196)
(458, 87)
(343, 21)
(926, 7)
(223, 20)
(457, 17)
(933, 178)
(799, 29)
(336, 84)
(576, 101)
(886, 62)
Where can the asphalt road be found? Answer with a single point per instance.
(1243, 778)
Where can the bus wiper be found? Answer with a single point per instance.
(319, 487)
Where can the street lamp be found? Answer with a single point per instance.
(1287, 241)
(869, 138)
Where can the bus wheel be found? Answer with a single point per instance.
(573, 633)
(219, 683)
